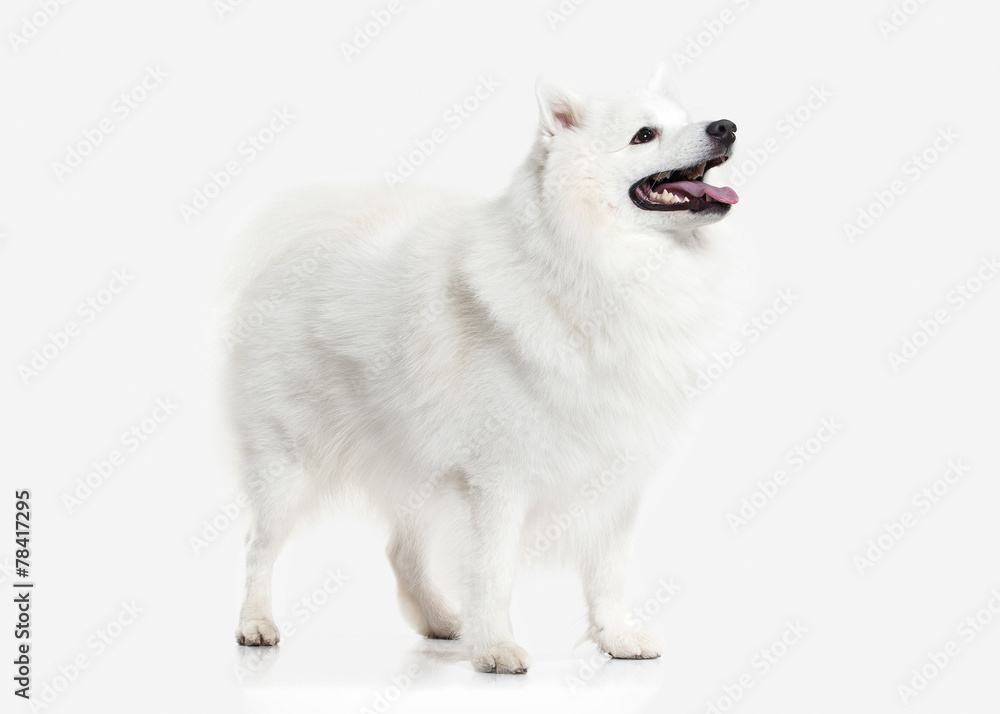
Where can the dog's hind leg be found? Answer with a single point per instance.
(424, 606)
(273, 493)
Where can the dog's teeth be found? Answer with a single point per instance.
(695, 172)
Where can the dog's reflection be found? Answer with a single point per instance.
(254, 662)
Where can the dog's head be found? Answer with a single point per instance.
(637, 156)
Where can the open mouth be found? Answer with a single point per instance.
(683, 190)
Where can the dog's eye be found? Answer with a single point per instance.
(644, 135)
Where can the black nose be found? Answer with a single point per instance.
(723, 130)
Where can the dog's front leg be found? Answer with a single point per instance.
(604, 570)
(497, 522)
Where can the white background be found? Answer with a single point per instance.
(826, 357)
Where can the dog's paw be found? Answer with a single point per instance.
(443, 628)
(629, 644)
(253, 633)
(502, 658)
(438, 623)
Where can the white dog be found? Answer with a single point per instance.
(475, 365)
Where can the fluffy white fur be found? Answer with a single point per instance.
(474, 365)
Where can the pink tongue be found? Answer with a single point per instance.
(700, 188)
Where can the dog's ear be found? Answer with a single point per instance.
(662, 82)
(560, 108)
